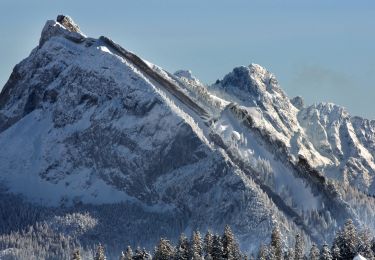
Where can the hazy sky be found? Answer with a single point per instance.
(321, 50)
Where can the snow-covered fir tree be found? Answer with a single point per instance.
(230, 247)
(76, 255)
(164, 250)
(336, 252)
(263, 252)
(347, 240)
(365, 244)
(276, 246)
(141, 254)
(128, 255)
(196, 247)
(217, 248)
(314, 252)
(299, 247)
(182, 249)
(325, 253)
(207, 244)
(100, 253)
(289, 255)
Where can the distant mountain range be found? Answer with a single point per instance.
(96, 138)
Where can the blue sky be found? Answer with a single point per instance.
(321, 50)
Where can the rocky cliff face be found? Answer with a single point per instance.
(85, 122)
(339, 145)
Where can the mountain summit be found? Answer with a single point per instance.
(92, 128)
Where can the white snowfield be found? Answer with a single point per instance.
(80, 122)
(359, 257)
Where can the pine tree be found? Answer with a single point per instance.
(276, 243)
(347, 241)
(196, 248)
(182, 249)
(365, 244)
(299, 248)
(263, 252)
(207, 247)
(289, 255)
(271, 253)
(230, 247)
(100, 254)
(217, 248)
(336, 252)
(141, 254)
(326, 253)
(351, 238)
(146, 255)
(138, 254)
(76, 255)
(314, 253)
(164, 250)
(128, 255)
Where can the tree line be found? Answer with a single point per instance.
(347, 243)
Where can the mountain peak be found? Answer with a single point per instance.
(257, 69)
(250, 83)
(63, 26)
(297, 102)
(331, 109)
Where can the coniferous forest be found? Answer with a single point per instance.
(348, 243)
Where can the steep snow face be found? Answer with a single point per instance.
(81, 123)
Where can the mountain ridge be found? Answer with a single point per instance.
(84, 121)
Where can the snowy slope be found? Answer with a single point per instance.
(80, 123)
(84, 121)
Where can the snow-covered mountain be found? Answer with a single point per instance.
(325, 134)
(87, 125)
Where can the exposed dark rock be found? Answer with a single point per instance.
(297, 102)
(68, 30)
(68, 23)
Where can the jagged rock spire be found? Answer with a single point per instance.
(68, 23)
(63, 26)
